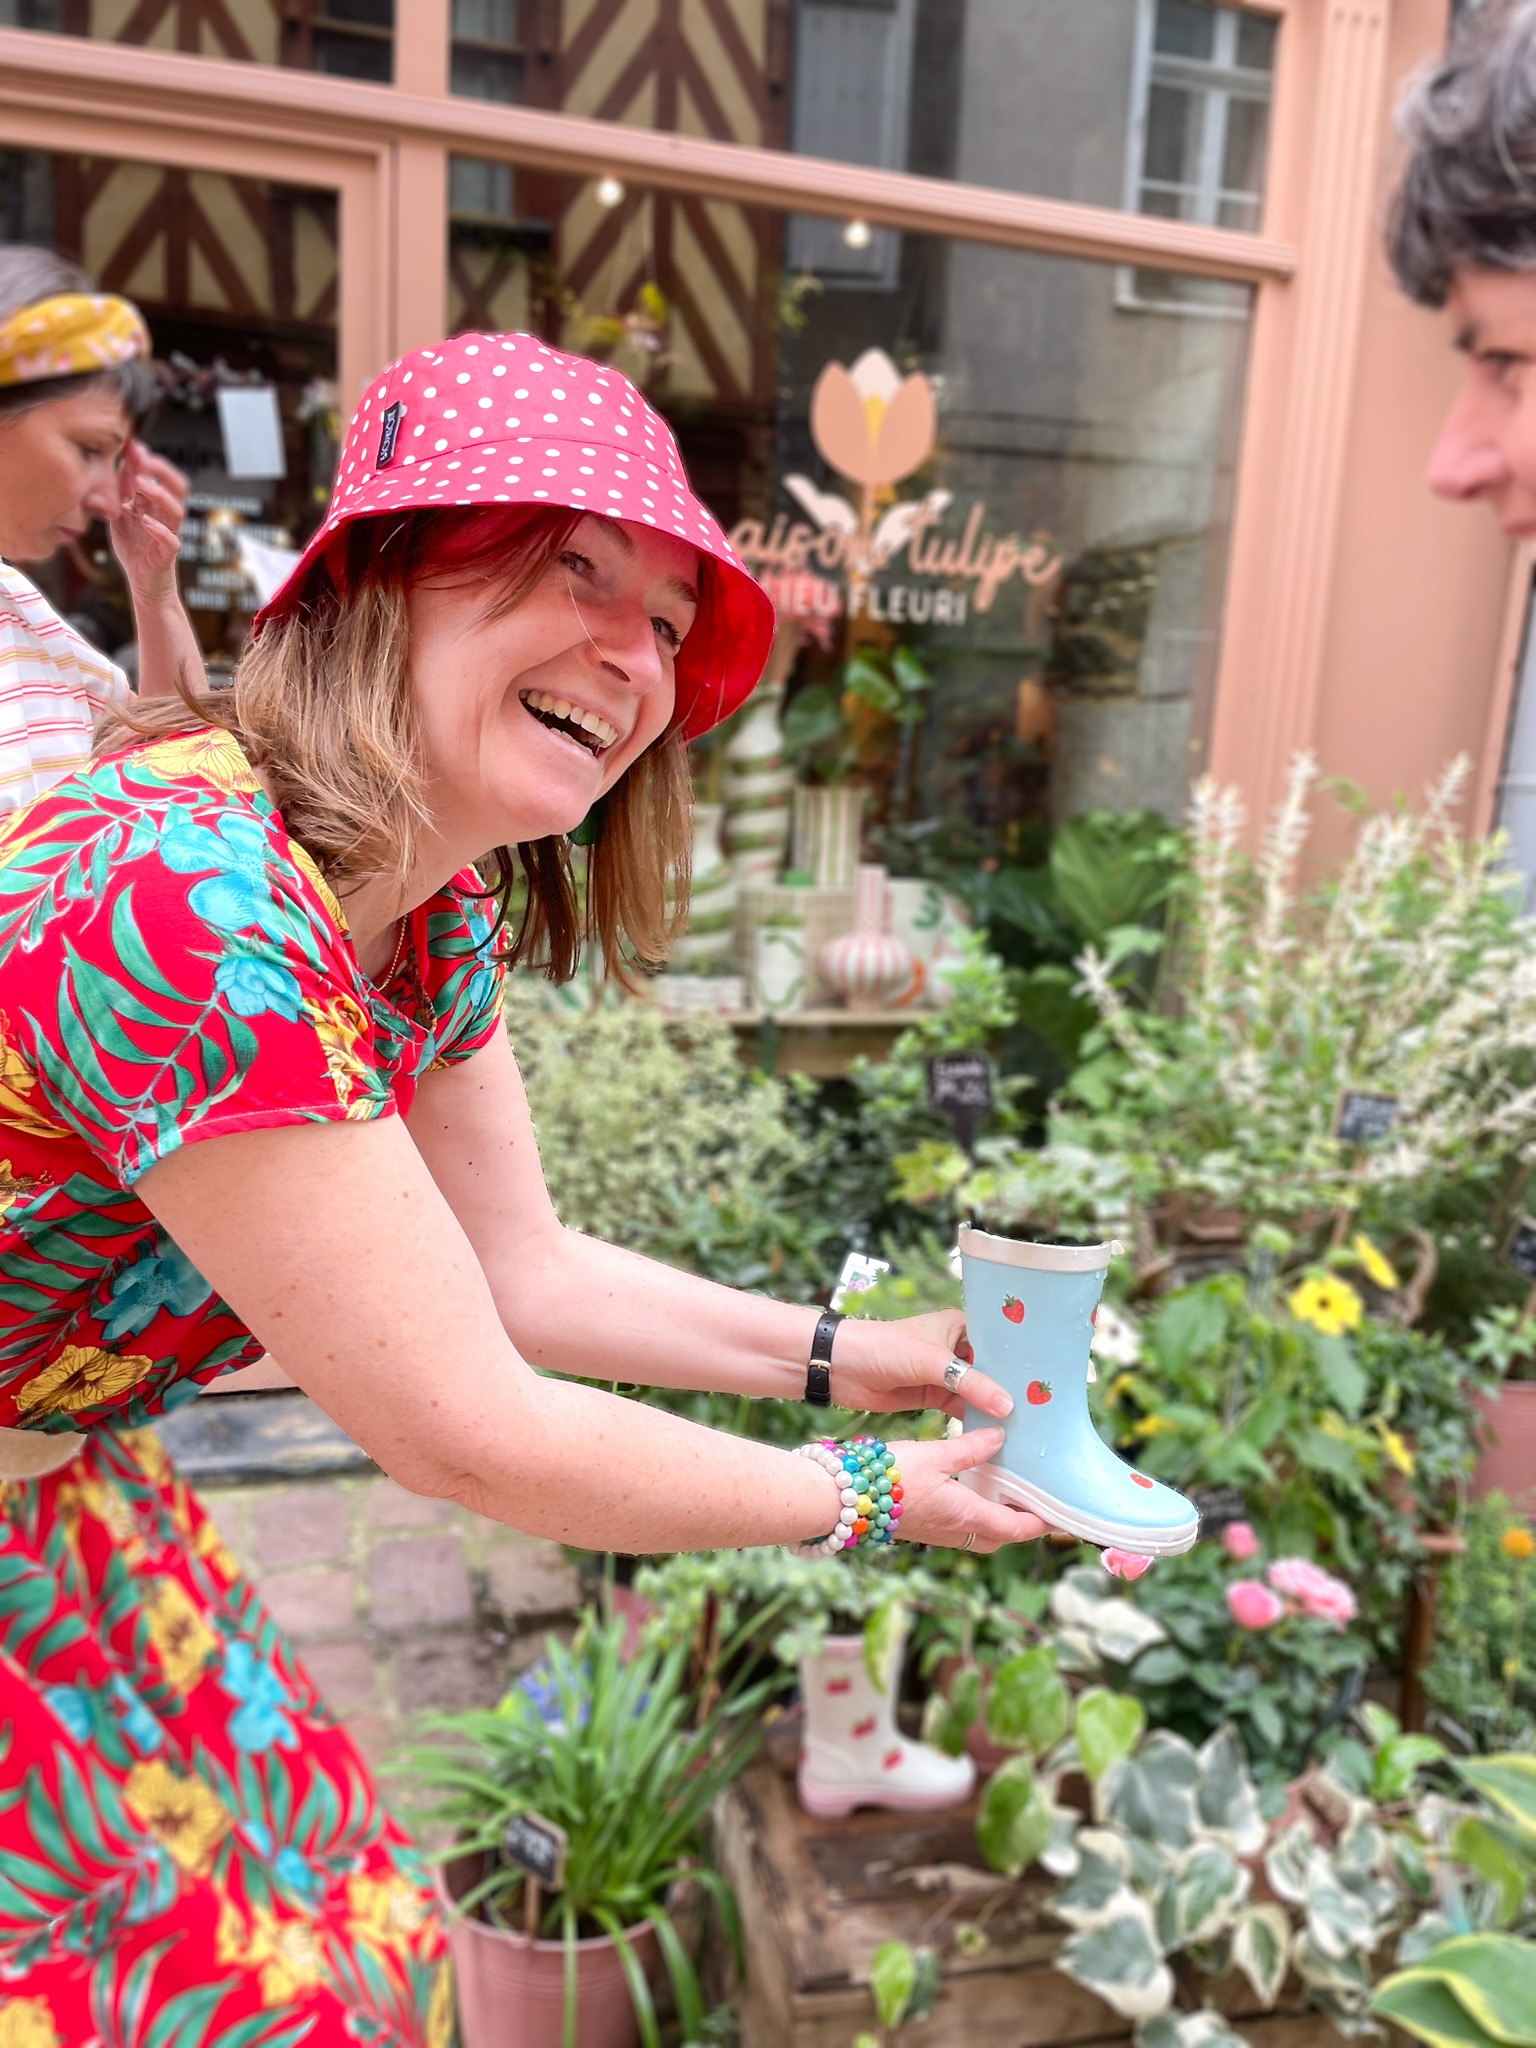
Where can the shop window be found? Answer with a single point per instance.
(1199, 133)
(348, 38)
(853, 92)
(488, 57)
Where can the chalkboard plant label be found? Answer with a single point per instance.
(537, 1846)
(1520, 1252)
(1363, 1116)
(960, 1088)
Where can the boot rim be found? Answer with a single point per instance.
(1036, 1258)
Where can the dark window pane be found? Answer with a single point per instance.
(480, 188)
(1173, 135)
(1256, 42)
(1185, 29)
(353, 57)
(1166, 205)
(370, 13)
(485, 21)
(486, 75)
(1242, 214)
(1242, 156)
(29, 14)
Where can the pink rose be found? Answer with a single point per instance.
(1253, 1605)
(1239, 1542)
(1124, 1564)
(1315, 1591)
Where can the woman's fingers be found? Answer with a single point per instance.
(978, 1391)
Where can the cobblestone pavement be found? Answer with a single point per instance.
(395, 1603)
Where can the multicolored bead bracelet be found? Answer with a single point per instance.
(871, 1493)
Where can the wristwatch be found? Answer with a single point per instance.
(818, 1374)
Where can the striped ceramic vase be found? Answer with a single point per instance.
(867, 966)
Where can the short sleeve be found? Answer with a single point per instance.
(180, 979)
(466, 972)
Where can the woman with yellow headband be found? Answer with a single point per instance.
(74, 387)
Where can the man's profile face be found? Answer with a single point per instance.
(1486, 447)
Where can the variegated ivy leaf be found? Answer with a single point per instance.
(1075, 1596)
(1289, 1864)
(1227, 1801)
(1188, 2030)
(1061, 1855)
(1207, 1887)
(1112, 1627)
(1152, 1794)
(1261, 1949)
(1103, 1865)
(1361, 1847)
(1427, 1932)
(1120, 1962)
(1075, 1652)
(1349, 1974)
(1338, 1921)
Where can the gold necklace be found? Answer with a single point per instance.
(394, 966)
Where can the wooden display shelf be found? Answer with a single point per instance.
(822, 1042)
(818, 1897)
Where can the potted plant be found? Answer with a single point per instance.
(625, 1759)
(1505, 1339)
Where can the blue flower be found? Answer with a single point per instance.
(290, 1869)
(238, 894)
(259, 1835)
(252, 987)
(162, 1276)
(260, 1720)
(141, 1727)
(73, 1708)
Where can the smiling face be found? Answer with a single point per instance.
(1486, 447)
(530, 715)
(58, 470)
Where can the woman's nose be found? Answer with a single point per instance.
(626, 640)
(1467, 460)
(103, 493)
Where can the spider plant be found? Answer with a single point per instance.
(627, 1757)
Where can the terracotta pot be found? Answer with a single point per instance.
(511, 1989)
(1507, 1461)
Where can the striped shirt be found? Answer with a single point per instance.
(53, 684)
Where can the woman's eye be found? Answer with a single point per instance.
(669, 633)
(580, 563)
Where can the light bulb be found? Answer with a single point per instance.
(858, 234)
(608, 192)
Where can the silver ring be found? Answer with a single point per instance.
(954, 1373)
(970, 1540)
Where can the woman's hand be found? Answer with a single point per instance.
(896, 1367)
(936, 1508)
(146, 532)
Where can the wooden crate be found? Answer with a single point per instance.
(818, 1897)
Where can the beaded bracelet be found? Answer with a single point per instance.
(871, 1493)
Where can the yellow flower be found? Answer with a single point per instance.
(287, 1953)
(341, 1028)
(17, 1082)
(147, 1448)
(183, 1640)
(211, 755)
(81, 1377)
(1377, 1267)
(308, 866)
(1153, 1425)
(440, 2009)
(1397, 1450)
(210, 1546)
(229, 1935)
(1328, 1304)
(1518, 1542)
(27, 2023)
(181, 1813)
(385, 1912)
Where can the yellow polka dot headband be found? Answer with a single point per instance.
(70, 335)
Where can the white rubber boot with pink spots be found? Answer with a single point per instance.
(852, 1753)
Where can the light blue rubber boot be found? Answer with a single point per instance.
(1029, 1312)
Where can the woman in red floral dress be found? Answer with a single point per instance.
(254, 1094)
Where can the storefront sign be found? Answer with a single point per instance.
(920, 560)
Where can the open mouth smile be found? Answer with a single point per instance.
(562, 716)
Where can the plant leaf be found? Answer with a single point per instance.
(1261, 1949)
(1028, 1705)
(1109, 1725)
(1423, 2006)
(892, 1980)
(1013, 1824)
(1120, 1961)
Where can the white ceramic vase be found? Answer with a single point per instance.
(758, 787)
(867, 967)
(710, 938)
(828, 823)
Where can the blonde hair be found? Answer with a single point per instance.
(322, 705)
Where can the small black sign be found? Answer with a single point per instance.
(1363, 1118)
(1219, 1506)
(537, 1846)
(960, 1088)
(1520, 1252)
(389, 427)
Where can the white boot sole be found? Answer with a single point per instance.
(836, 1802)
(1006, 1488)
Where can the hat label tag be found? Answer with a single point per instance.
(389, 427)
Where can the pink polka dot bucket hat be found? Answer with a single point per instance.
(503, 419)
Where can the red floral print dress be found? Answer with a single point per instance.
(191, 1853)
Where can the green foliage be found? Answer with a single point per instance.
(629, 1768)
(817, 730)
(1482, 1674)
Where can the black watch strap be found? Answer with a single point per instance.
(818, 1374)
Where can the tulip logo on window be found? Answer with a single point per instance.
(876, 429)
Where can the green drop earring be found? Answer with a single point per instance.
(590, 830)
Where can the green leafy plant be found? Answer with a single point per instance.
(1482, 1673)
(627, 1758)
(821, 736)
(903, 1981)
